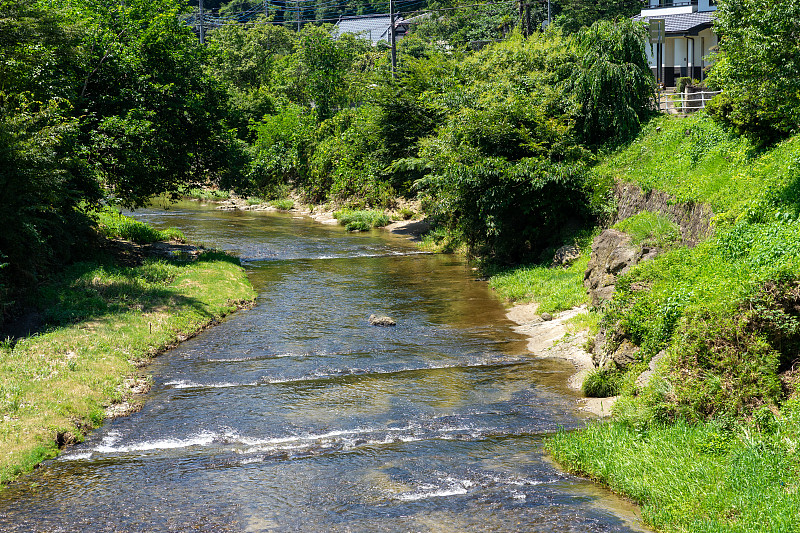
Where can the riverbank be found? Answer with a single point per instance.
(406, 219)
(106, 322)
(553, 336)
(702, 337)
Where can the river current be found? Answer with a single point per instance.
(297, 415)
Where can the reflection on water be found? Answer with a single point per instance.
(298, 415)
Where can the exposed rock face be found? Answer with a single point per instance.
(383, 321)
(566, 255)
(694, 220)
(612, 255)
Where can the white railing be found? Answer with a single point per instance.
(685, 103)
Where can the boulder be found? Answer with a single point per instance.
(383, 321)
(626, 354)
(612, 255)
(566, 255)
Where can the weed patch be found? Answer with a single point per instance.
(650, 229)
(284, 204)
(361, 220)
(115, 225)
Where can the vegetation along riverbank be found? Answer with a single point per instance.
(100, 321)
(519, 145)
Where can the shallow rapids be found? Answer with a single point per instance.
(298, 415)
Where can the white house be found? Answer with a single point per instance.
(689, 38)
(374, 28)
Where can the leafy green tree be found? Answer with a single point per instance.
(452, 26)
(324, 64)
(246, 60)
(153, 121)
(572, 15)
(612, 87)
(43, 179)
(758, 67)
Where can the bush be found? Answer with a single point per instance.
(285, 204)
(511, 212)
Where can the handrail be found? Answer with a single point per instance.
(668, 3)
(684, 103)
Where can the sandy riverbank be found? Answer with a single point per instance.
(551, 338)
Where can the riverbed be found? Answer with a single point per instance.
(298, 415)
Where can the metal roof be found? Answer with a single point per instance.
(372, 27)
(683, 23)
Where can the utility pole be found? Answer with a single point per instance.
(392, 39)
(298, 16)
(266, 8)
(202, 26)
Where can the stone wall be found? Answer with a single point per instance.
(694, 220)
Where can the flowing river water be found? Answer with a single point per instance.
(298, 415)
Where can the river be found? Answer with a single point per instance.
(297, 415)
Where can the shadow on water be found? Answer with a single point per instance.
(297, 415)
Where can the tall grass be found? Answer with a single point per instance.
(698, 160)
(705, 477)
(653, 229)
(206, 194)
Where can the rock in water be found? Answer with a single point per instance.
(381, 321)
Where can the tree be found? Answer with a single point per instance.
(43, 178)
(153, 121)
(612, 86)
(572, 15)
(758, 67)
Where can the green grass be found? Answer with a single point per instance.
(254, 200)
(361, 220)
(601, 383)
(554, 289)
(115, 225)
(652, 229)
(696, 159)
(206, 194)
(284, 204)
(105, 320)
(696, 477)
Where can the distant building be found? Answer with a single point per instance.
(689, 37)
(372, 27)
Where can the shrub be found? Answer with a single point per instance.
(284, 204)
(601, 383)
(361, 220)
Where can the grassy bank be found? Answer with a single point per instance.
(704, 477)
(710, 442)
(554, 289)
(105, 322)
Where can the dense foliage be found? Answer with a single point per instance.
(97, 102)
(758, 67)
(119, 103)
(497, 141)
